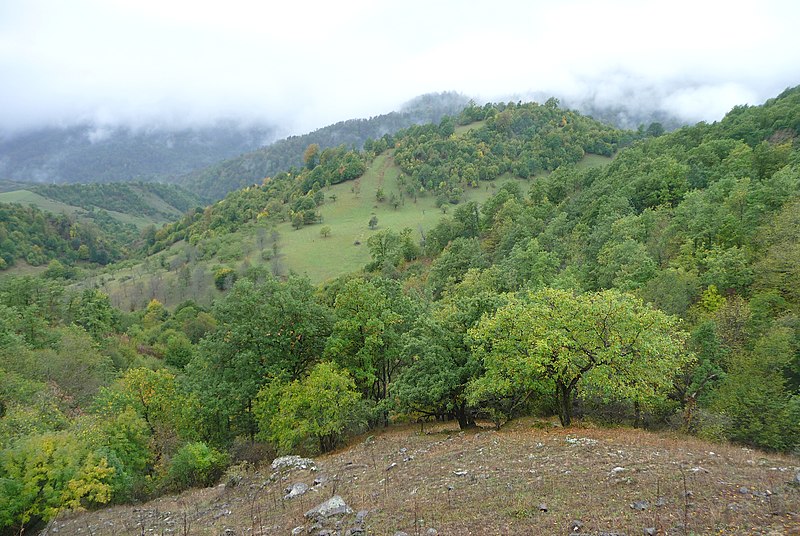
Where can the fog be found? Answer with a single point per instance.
(304, 65)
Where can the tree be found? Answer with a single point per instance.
(366, 339)
(325, 231)
(311, 156)
(441, 363)
(320, 408)
(265, 330)
(608, 342)
(373, 222)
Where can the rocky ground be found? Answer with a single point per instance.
(529, 478)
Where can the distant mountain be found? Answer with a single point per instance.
(212, 183)
(90, 153)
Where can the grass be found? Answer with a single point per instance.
(26, 197)
(486, 482)
(306, 252)
(347, 210)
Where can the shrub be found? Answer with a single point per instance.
(195, 465)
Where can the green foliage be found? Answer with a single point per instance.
(156, 200)
(366, 340)
(609, 343)
(36, 237)
(195, 465)
(44, 474)
(313, 413)
(265, 330)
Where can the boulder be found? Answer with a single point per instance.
(334, 506)
(296, 489)
(293, 462)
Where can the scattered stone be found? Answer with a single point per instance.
(320, 480)
(617, 470)
(361, 516)
(699, 469)
(744, 491)
(661, 501)
(543, 507)
(391, 466)
(229, 532)
(293, 462)
(400, 533)
(650, 531)
(796, 480)
(640, 505)
(581, 441)
(610, 534)
(298, 530)
(461, 472)
(295, 490)
(354, 531)
(576, 526)
(332, 507)
(431, 532)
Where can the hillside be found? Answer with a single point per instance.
(91, 153)
(658, 289)
(213, 182)
(529, 478)
(257, 227)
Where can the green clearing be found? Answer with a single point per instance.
(303, 251)
(306, 252)
(26, 197)
(463, 129)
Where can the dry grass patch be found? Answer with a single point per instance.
(487, 482)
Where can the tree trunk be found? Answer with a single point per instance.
(460, 411)
(564, 401)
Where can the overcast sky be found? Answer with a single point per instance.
(306, 64)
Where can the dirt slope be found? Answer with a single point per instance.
(589, 480)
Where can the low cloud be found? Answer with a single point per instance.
(142, 63)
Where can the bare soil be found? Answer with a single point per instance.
(529, 478)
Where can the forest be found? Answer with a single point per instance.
(661, 290)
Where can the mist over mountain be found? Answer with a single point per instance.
(88, 153)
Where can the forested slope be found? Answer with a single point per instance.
(659, 290)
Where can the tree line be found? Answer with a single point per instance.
(659, 290)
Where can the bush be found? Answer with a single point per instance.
(195, 465)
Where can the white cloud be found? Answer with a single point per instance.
(307, 64)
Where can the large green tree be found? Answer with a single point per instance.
(265, 330)
(607, 341)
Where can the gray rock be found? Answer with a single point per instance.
(543, 507)
(391, 466)
(298, 530)
(576, 526)
(661, 501)
(354, 531)
(361, 516)
(744, 491)
(431, 532)
(293, 462)
(649, 531)
(297, 489)
(796, 480)
(320, 480)
(332, 507)
(640, 505)
(400, 533)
